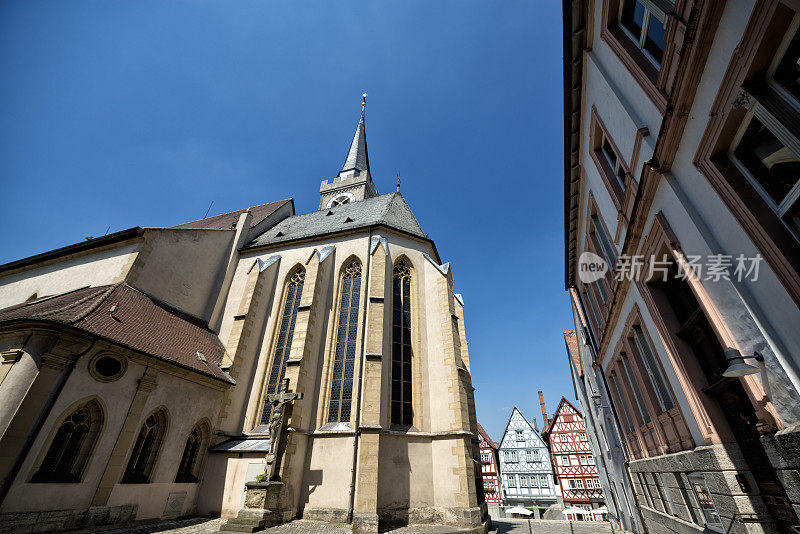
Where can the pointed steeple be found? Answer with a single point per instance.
(354, 181)
(357, 158)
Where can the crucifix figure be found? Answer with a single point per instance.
(278, 400)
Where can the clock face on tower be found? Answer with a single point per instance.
(338, 200)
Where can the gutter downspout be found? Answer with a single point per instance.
(617, 422)
(44, 413)
(361, 382)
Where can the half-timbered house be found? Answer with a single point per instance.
(573, 461)
(526, 473)
(490, 474)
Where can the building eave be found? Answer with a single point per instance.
(574, 16)
(83, 246)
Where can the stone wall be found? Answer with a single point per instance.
(61, 520)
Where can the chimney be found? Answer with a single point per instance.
(544, 410)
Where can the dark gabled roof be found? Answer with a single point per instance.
(139, 323)
(388, 210)
(483, 433)
(227, 221)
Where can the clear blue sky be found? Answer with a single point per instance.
(116, 114)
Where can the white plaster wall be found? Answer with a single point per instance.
(185, 268)
(90, 269)
(187, 403)
(760, 314)
(326, 483)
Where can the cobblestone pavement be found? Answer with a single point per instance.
(203, 525)
(539, 526)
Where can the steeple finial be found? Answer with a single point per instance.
(398, 182)
(357, 158)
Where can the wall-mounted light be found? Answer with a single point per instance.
(737, 366)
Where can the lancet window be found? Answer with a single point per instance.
(74, 440)
(191, 459)
(145, 450)
(345, 352)
(294, 291)
(402, 412)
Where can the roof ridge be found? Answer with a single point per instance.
(241, 209)
(100, 290)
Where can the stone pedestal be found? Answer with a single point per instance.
(261, 508)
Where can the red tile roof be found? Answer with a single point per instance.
(139, 322)
(226, 221)
(572, 347)
(483, 433)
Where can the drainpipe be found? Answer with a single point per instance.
(594, 347)
(361, 382)
(44, 413)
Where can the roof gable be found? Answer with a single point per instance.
(517, 421)
(564, 407)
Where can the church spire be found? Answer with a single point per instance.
(354, 181)
(357, 158)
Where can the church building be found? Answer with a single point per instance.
(137, 368)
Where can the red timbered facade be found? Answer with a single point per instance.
(489, 470)
(573, 461)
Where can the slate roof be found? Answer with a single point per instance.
(389, 210)
(357, 157)
(140, 323)
(571, 338)
(226, 221)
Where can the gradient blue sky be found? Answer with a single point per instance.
(116, 114)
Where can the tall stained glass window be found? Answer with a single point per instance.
(402, 413)
(345, 355)
(294, 291)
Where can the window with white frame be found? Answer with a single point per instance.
(573, 484)
(767, 146)
(579, 483)
(583, 437)
(565, 460)
(523, 481)
(653, 370)
(582, 459)
(511, 481)
(590, 459)
(511, 456)
(644, 21)
(520, 435)
(529, 455)
(563, 437)
(484, 458)
(543, 482)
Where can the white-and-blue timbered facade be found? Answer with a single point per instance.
(525, 468)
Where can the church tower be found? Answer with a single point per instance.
(354, 181)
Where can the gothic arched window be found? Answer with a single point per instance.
(294, 291)
(145, 450)
(191, 459)
(402, 412)
(71, 446)
(345, 354)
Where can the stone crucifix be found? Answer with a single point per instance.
(278, 401)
